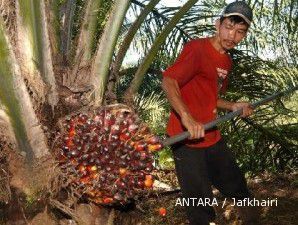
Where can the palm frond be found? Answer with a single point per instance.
(17, 104)
(138, 77)
(257, 141)
(106, 46)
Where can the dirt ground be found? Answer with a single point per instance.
(146, 211)
(282, 188)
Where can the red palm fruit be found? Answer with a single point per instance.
(121, 185)
(106, 157)
(73, 153)
(131, 143)
(140, 183)
(85, 163)
(92, 168)
(79, 148)
(153, 140)
(102, 178)
(71, 131)
(108, 168)
(141, 165)
(81, 167)
(69, 143)
(61, 157)
(97, 162)
(95, 139)
(162, 211)
(122, 171)
(82, 118)
(107, 200)
(129, 119)
(124, 150)
(94, 176)
(109, 120)
(92, 193)
(140, 174)
(91, 161)
(125, 136)
(148, 181)
(114, 137)
(141, 146)
(83, 173)
(122, 163)
(105, 149)
(98, 200)
(129, 146)
(114, 144)
(65, 149)
(85, 180)
(128, 158)
(131, 182)
(149, 167)
(143, 155)
(132, 128)
(115, 129)
(98, 193)
(98, 119)
(155, 147)
(84, 156)
(136, 154)
(93, 154)
(100, 131)
(66, 138)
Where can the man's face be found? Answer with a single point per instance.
(230, 33)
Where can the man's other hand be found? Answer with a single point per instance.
(247, 108)
(195, 128)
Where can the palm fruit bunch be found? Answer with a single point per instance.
(107, 153)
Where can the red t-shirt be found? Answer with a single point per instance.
(196, 71)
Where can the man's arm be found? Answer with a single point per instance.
(171, 88)
(234, 106)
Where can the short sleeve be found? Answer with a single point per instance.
(185, 67)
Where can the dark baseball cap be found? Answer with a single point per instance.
(241, 9)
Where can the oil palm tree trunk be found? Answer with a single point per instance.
(53, 15)
(16, 100)
(34, 48)
(67, 28)
(88, 30)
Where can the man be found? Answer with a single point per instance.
(192, 86)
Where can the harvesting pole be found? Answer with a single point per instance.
(182, 136)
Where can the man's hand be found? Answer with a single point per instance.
(195, 128)
(247, 108)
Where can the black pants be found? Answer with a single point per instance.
(198, 169)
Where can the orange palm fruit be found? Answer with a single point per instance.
(162, 211)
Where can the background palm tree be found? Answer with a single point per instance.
(60, 55)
